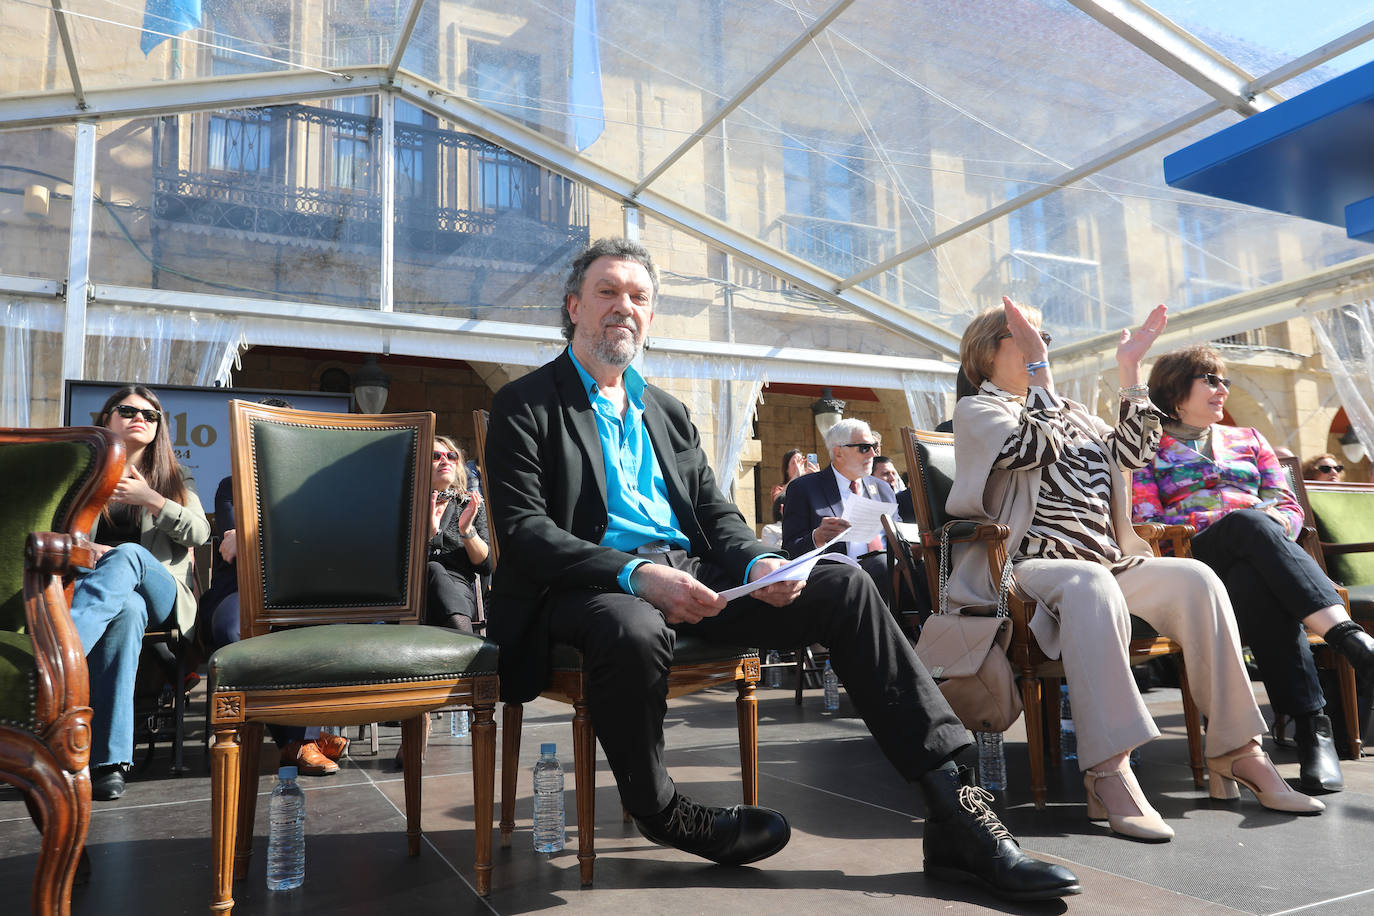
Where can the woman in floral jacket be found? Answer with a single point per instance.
(1228, 484)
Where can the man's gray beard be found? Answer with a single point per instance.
(617, 353)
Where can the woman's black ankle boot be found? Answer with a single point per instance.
(1350, 639)
(1319, 769)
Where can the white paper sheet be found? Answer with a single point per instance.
(865, 517)
(797, 569)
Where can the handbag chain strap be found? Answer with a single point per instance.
(1003, 587)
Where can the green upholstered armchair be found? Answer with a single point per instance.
(56, 481)
(697, 665)
(333, 522)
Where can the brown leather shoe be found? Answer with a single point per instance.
(332, 746)
(305, 756)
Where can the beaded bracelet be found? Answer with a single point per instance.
(1134, 391)
(1037, 366)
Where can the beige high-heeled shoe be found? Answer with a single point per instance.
(1147, 825)
(1223, 778)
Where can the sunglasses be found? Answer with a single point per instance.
(863, 447)
(1214, 381)
(129, 411)
(1044, 335)
(440, 456)
(1328, 468)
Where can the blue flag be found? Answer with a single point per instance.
(587, 117)
(163, 18)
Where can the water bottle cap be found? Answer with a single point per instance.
(286, 773)
(548, 750)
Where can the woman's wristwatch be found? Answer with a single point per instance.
(468, 537)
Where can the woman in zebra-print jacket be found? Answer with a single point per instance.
(1054, 474)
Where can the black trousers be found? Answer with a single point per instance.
(628, 648)
(449, 600)
(1273, 584)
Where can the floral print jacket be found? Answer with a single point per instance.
(1184, 487)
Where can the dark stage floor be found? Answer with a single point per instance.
(855, 834)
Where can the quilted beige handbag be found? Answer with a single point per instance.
(967, 656)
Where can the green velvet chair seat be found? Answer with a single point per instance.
(17, 680)
(348, 654)
(690, 650)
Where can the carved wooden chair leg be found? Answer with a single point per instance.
(55, 802)
(1035, 737)
(747, 712)
(1049, 704)
(225, 761)
(250, 751)
(584, 780)
(412, 752)
(483, 779)
(1192, 724)
(512, 716)
(1346, 673)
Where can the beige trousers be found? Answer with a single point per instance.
(1182, 599)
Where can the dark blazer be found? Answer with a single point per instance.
(905, 510)
(546, 491)
(815, 496)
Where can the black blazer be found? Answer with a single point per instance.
(815, 496)
(546, 491)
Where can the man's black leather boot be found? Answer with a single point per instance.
(728, 836)
(1319, 769)
(966, 843)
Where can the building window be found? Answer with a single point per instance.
(505, 81)
(826, 199)
(240, 142)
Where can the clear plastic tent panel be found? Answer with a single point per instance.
(664, 67)
(866, 152)
(1261, 35)
(279, 202)
(705, 296)
(482, 233)
(119, 41)
(35, 201)
(33, 61)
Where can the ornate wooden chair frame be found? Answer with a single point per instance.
(237, 713)
(567, 685)
(1034, 669)
(47, 758)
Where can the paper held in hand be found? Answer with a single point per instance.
(865, 517)
(797, 569)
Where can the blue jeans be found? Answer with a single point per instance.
(111, 607)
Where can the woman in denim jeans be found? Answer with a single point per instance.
(143, 575)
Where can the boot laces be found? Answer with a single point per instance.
(690, 819)
(974, 800)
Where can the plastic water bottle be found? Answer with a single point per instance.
(992, 762)
(548, 801)
(772, 663)
(458, 723)
(286, 833)
(831, 682)
(1068, 740)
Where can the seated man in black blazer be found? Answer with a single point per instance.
(615, 538)
(815, 502)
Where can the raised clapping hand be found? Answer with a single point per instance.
(1131, 349)
(679, 597)
(469, 512)
(1023, 333)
